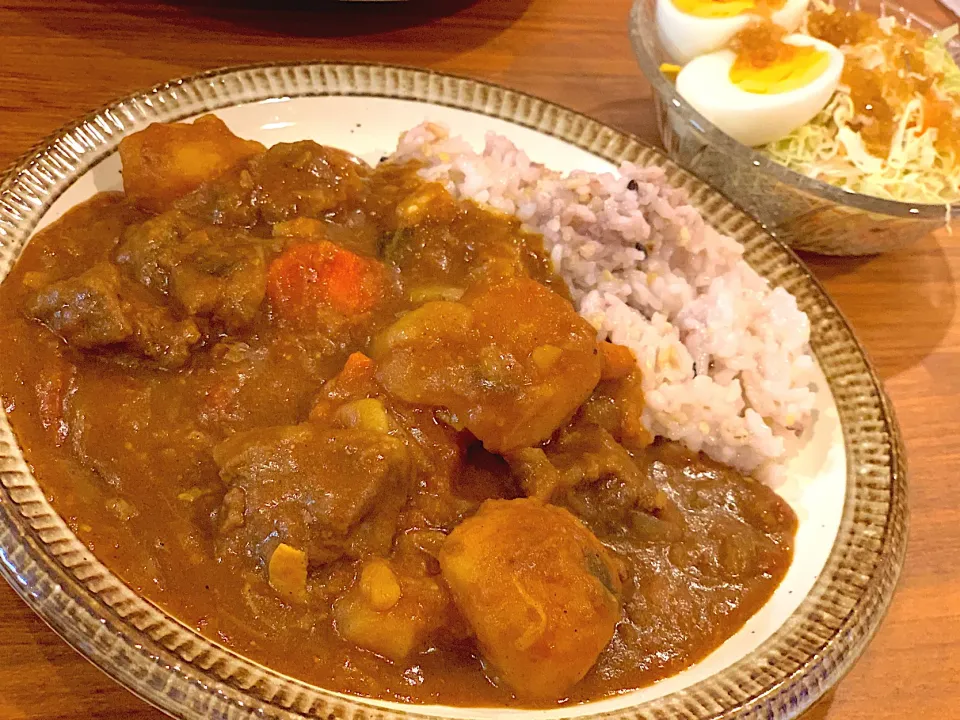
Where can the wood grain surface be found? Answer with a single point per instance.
(60, 59)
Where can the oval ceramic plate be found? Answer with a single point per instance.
(847, 483)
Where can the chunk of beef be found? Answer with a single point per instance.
(206, 271)
(450, 484)
(92, 310)
(229, 201)
(86, 310)
(328, 493)
(167, 160)
(601, 484)
(440, 243)
(224, 278)
(305, 179)
(150, 250)
(538, 589)
(301, 179)
(159, 336)
(587, 471)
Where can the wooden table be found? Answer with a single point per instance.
(58, 60)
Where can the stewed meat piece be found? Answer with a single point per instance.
(206, 271)
(92, 310)
(305, 179)
(85, 310)
(585, 470)
(290, 180)
(326, 492)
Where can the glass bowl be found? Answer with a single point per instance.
(806, 214)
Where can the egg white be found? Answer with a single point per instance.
(752, 118)
(684, 36)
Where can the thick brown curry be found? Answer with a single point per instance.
(354, 429)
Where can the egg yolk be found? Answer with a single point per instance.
(766, 65)
(728, 8)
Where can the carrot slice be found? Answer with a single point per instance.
(357, 365)
(323, 275)
(355, 380)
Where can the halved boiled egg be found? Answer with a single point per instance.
(759, 100)
(688, 28)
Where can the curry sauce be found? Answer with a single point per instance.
(353, 428)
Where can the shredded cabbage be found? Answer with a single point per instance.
(915, 170)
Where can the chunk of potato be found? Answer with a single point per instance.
(287, 572)
(168, 160)
(392, 613)
(379, 586)
(510, 361)
(539, 591)
(365, 414)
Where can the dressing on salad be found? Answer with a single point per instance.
(890, 130)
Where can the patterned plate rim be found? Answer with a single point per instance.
(170, 666)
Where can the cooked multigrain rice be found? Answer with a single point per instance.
(725, 359)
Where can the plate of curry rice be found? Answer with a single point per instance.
(337, 390)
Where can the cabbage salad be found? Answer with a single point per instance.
(892, 128)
